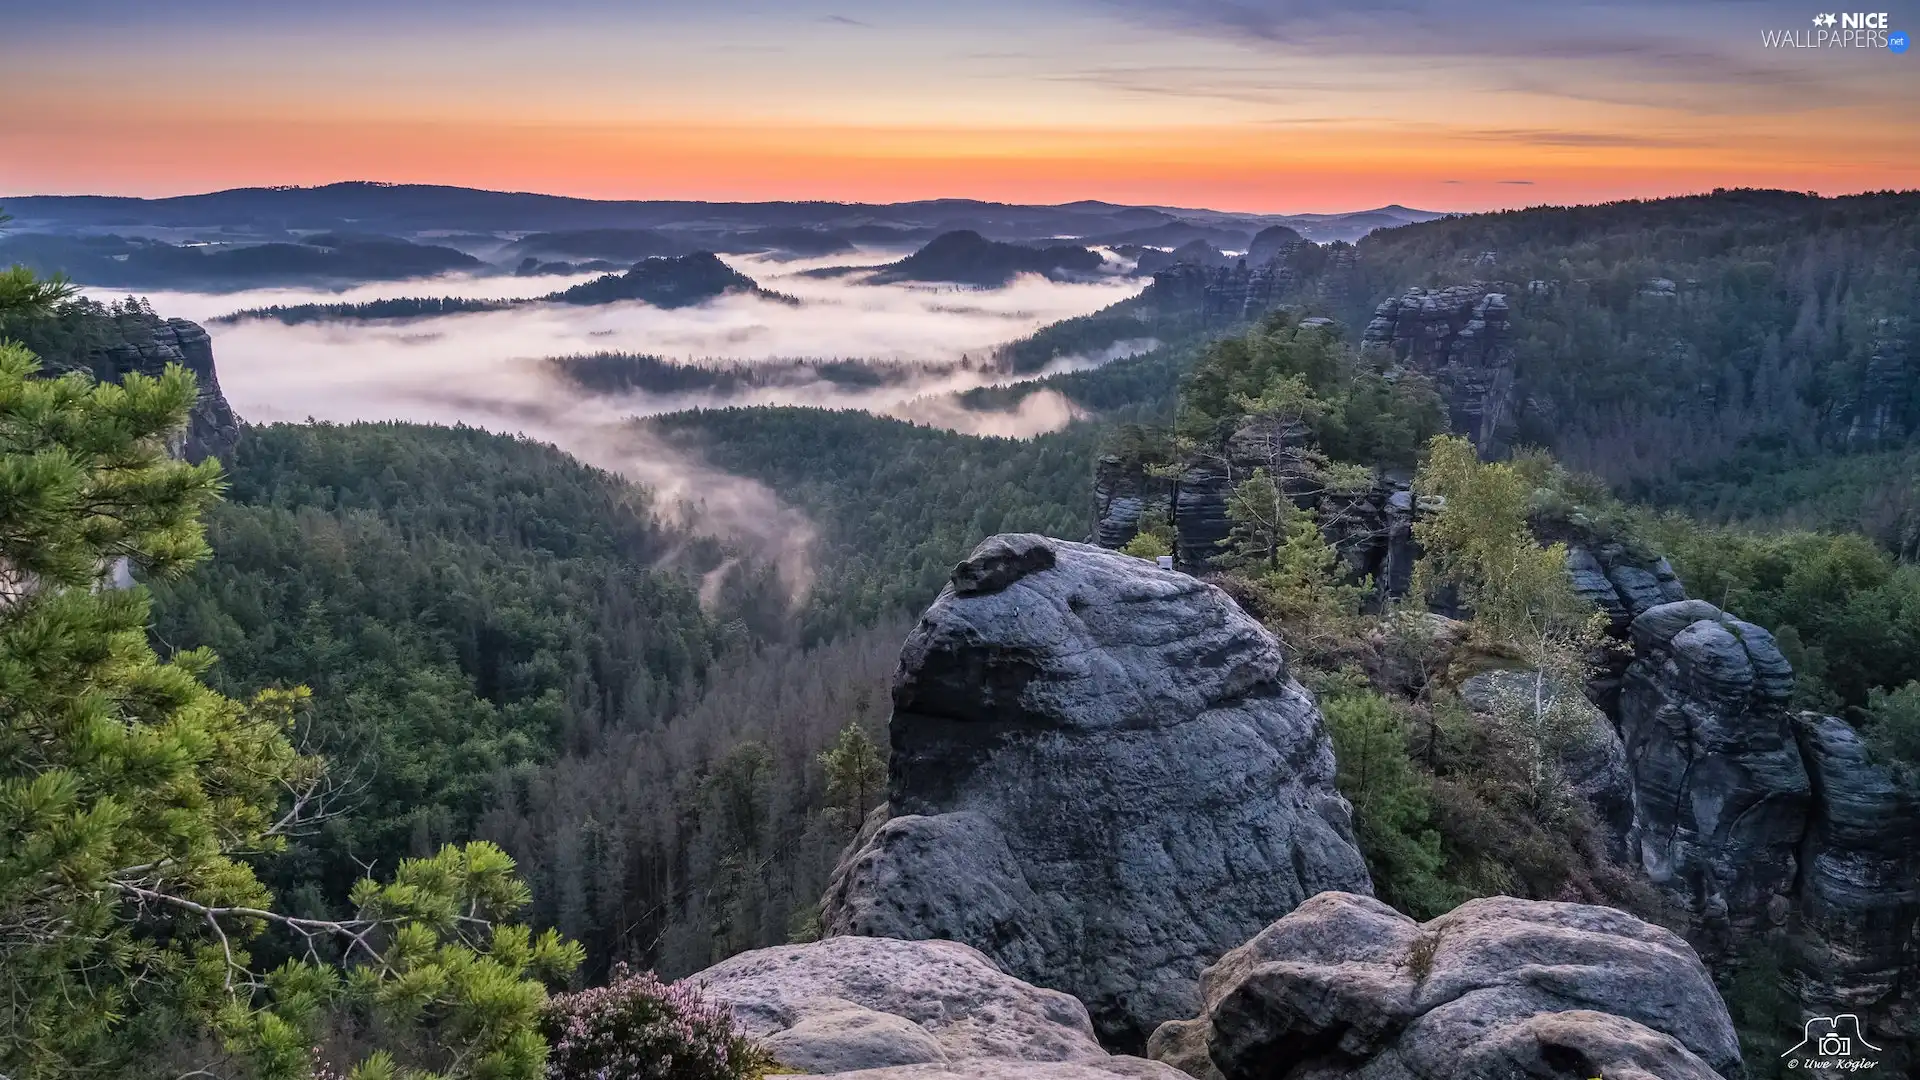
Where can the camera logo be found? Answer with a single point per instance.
(1827, 1038)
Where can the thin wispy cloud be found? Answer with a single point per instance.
(1550, 137)
(1253, 85)
(1698, 56)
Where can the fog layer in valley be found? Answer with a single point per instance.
(489, 369)
(201, 306)
(478, 367)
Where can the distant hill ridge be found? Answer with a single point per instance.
(966, 257)
(681, 281)
(367, 205)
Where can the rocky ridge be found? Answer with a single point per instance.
(1759, 825)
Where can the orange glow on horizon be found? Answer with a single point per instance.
(1302, 110)
(1279, 169)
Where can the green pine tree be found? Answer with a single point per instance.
(132, 795)
(856, 776)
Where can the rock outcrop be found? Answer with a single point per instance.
(1766, 828)
(139, 341)
(1880, 413)
(1859, 887)
(1620, 582)
(1222, 295)
(1123, 493)
(908, 1009)
(1102, 776)
(1720, 790)
(1495, 989)
(1460, 337)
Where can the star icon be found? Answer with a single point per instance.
(1824, 20)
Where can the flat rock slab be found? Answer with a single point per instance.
(859, 1003)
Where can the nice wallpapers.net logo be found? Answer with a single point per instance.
(1840, 30)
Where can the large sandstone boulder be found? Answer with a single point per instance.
(1495, 989)
(1721, 792)
(1102, 777)
(879, 1007)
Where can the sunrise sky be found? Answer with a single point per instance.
(1267, 105)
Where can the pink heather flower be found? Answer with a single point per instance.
(639, 1028)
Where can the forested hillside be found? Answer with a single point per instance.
(675, 843)
(1686, 346)
(897, 504)
(462, 605)
(1741, 356)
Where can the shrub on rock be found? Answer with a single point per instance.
(639, 1028)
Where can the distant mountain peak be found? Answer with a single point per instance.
(966, 257)
(670, 282)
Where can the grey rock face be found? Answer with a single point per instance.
(1103, 777)
(867, 1007)
(1879, 413)
(1461, 337)
(1122, 495)
(1721, 793)
(1620, 583)
(1239, 291)
(147, 344)
(1860, 879)
(1495, 989)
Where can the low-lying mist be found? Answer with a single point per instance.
(202, 306)
(495, 370)
(457, 367)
